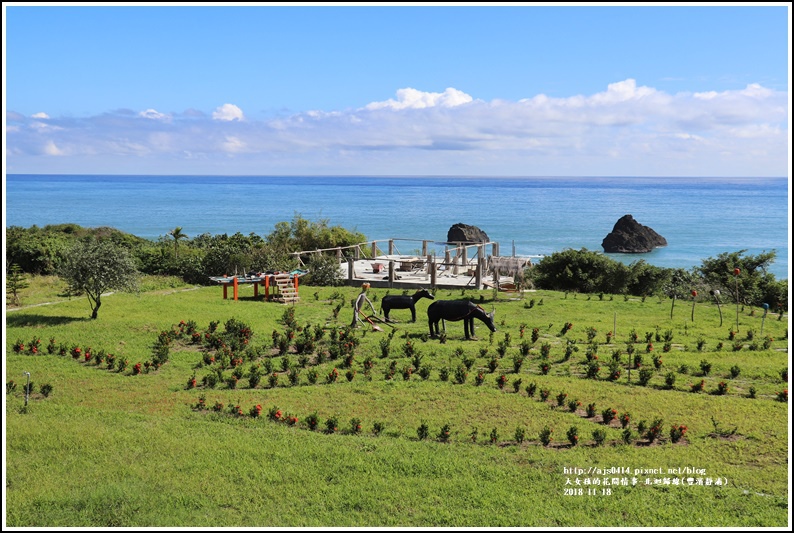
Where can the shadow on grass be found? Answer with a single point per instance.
(26, 321)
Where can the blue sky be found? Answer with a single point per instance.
(509, 90)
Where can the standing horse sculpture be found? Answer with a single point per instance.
(403, 302)
(455, 310)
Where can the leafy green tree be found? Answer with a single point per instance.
(753, 286)
(15, 282)
(95, 266)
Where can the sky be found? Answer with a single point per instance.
(398, 89)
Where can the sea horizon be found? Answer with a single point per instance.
(534, 215)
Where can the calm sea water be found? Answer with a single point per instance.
(700, 218)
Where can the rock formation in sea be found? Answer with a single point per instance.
(464, 233)
(630, 237)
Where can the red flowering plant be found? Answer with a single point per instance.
(19, 346)
(698, 387)
(274, 414)
(479, 378)
(545, 435)
(255, 411)
(677, 432)
(722, 388)
(332, 376)
(218, 407)
(609, 415)
(782, 396)
(51, 347)
(544, 368)
(76, 352)
(500, 381)
(625, 418)
(191, 382)
(591, 410)
(202, 403)
(573, 435)
(291, 420)
(136, 369)
(544, 394)
(355, 426)
(34, 346)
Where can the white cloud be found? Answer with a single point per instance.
(153, 114)
(51, 149)
(626, 126)
(228, 112)
(412, 99)
(40, 115)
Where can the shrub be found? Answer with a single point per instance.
(531, 388)
(544, 395)
(443, 435)
(494, 437)
(500, 381)
(591, 410)
(698, 387)
(609, 415)
(545, 435)
(332, 424)
(592, 369)
(573, 405)
(599, 436)
(377, 428)
(573, 435)
(782, 396)
(677, 432)
(520, 435)
(355, 426)
(655, 430)
(461, 375)
(422, 431)
(705, 367)
(517, 385)
(722, 388)
(45, 389)
(645, 376)
(627, 436)
(735, 371)
(669, 380)
(625, 418)
(561, 399)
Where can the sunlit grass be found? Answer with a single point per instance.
(113, 449)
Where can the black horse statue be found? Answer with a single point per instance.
(454, 310)
(403, 302)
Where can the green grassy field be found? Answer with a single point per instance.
(109, 448)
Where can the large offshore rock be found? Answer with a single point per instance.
(464, 233)
(630, 237)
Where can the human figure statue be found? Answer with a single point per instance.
(359, 303)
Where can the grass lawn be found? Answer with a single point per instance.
(116, 448)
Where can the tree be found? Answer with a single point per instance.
(96, 266)
(177, 234)
(15, 282)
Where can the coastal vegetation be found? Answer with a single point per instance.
(181, 409)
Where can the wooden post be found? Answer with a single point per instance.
(234, 285)
(447, 259)
(464, 259)
(356, 253)
(478, 273)
(295, 283)
(391, 274)
(267, 288)
(495, 249)
(350, 271)
(424, 247)
(391, 246)
(433, 274)
(339, 255)
(457, 261)
(374, 249)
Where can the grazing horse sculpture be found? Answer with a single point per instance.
(403, 302)
(454, 310)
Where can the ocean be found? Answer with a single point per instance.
(699, 217)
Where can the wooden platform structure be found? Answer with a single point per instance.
(284, 285)
(464, 265)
